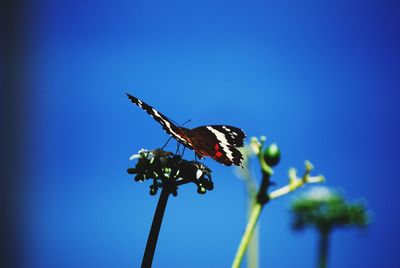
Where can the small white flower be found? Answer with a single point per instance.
(199, 173)
(143, 153)
(134, 156)
(150, 155)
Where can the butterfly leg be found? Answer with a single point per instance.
(177, 148)
(166, 143)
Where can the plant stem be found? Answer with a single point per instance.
(155, 228)
(257, 207)
(253, 247)
(252, 251)
(323, 249)
(255, 214)
(261, 199)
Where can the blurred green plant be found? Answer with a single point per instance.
(267, 157)
(326, 210)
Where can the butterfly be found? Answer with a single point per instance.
(219, 142)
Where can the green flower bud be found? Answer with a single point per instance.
(272, 155)
(153, 190)
(201, 190)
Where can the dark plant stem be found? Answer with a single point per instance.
(155, 228)
(261, 199)
(262, 196)
(323, 248)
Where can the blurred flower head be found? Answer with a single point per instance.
(325, 209)
(319, 194)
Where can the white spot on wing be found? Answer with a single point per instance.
(226, 128)
(168, 126)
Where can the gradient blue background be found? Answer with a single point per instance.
(320, 78)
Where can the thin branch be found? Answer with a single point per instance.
(293, 186)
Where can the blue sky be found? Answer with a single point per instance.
(320, 78)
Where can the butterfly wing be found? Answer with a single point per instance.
(219, 142)
(169, 127)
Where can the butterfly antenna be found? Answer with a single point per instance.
(187, 121)
(173, 121)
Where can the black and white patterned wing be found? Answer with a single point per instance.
(219, 142)
(167, 125)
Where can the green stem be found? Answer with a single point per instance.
(252, 251)
(261, 199)
(254, 215)
(155, 228)
(257, 207)
(253, 247)
(323, 249)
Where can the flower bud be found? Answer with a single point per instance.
(153, 191)
(272, 155)
(140, 177)
(201, 189)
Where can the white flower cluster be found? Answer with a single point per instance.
(143, 153)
